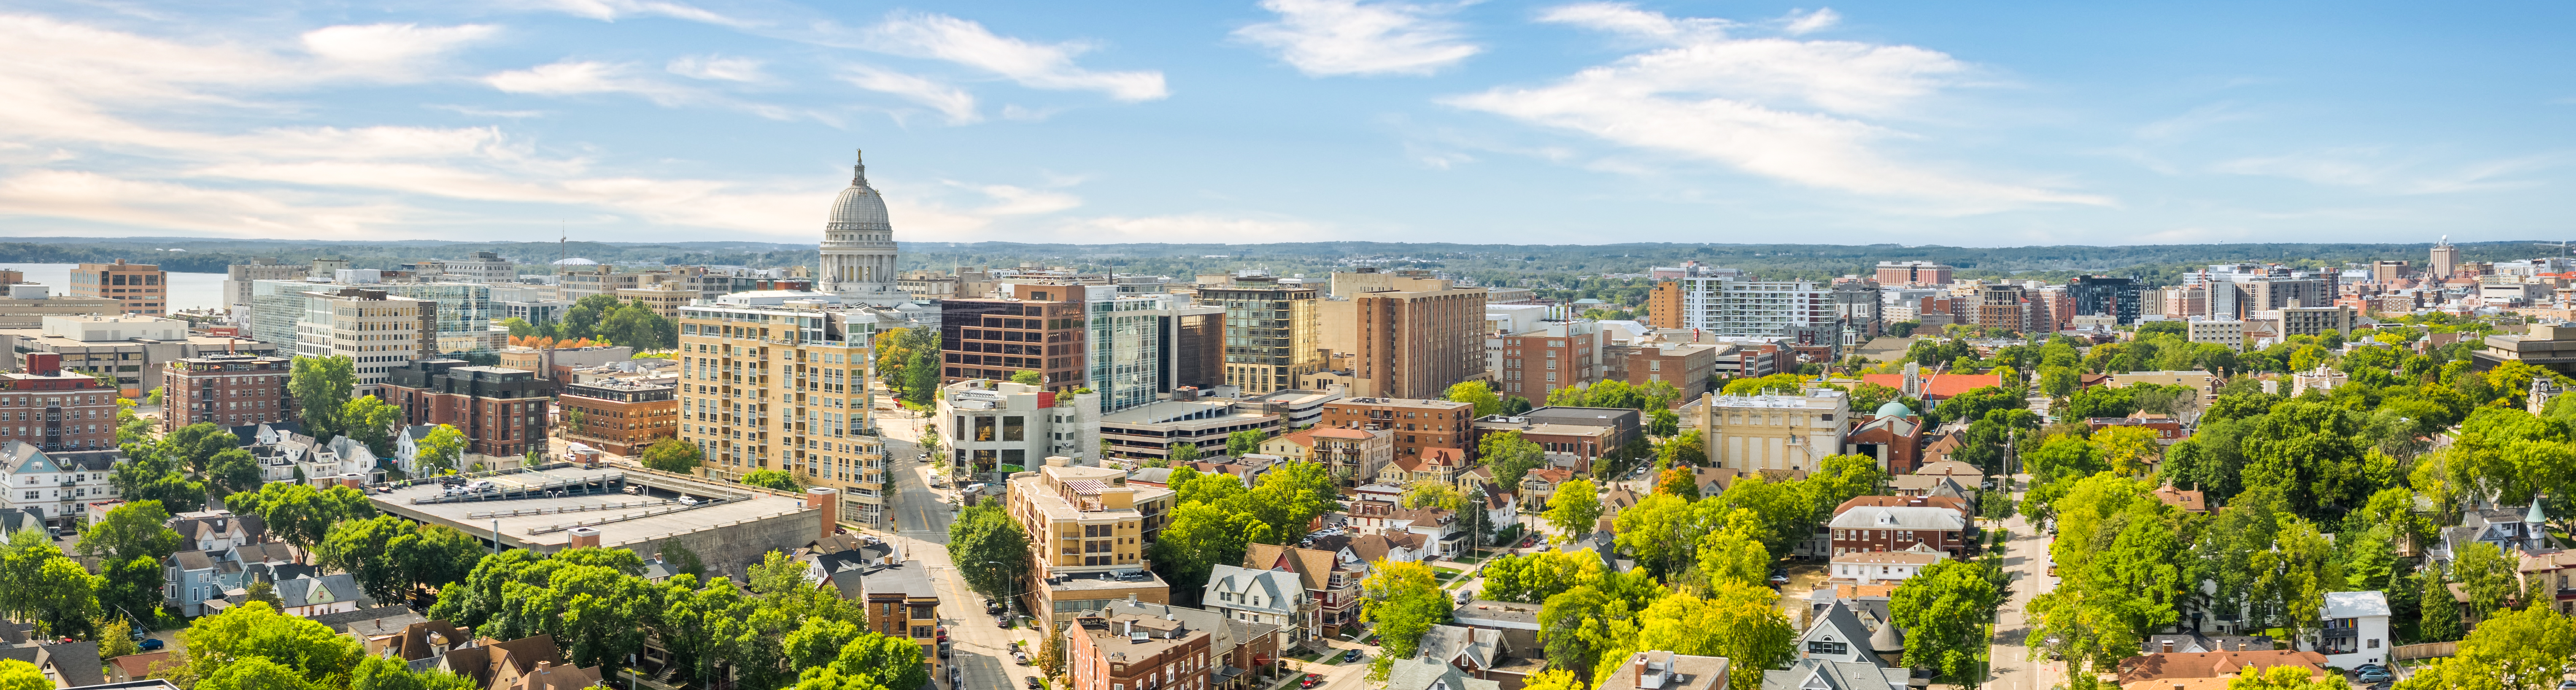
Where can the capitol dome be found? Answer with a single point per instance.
(1894, 409)
(859, 207)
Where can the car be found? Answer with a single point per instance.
(150, 644)
(2567, 685)
(1020, 658)
(2377, 675)
(2369, 667)
(942, 632)
(992, 609)
(2052, 570)
(1779, 578)
(1352, 655)
(1035, 684)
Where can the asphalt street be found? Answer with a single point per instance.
(2026, 559)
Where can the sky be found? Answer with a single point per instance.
(1966, 123)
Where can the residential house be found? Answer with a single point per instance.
(57, 485)
(1931, 485)
(1539, 485)
(1425, 674)
(1295, 445)
(1501, 507)
(407, 449)
(215, 530)
(533, 663)
(310, 595)
(902, 603)
(1663, 670)
(1820, 674)
(1242, 654)
(1873, 567)
(1838, 635)
(2356, 630)
(1481, 653)
(2552, 572)
(417, 641)
(1355, 453)
(2185, 501)
(66, 665)
(1331, 581)
(140, 667)
(193, 581)
(2508, 529)
(1270, 597)
(1899, 528)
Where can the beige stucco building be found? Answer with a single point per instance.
(1772, 431)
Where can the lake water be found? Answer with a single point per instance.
(187, 290)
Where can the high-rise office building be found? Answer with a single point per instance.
(2106, 296)
(378, 332)
(1143, 345)
(1035, 328)
(1857, 305)
(137, 288)
(1271, 332)
(2445, 260)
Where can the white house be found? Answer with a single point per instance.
(407, 448)
(2356, 630)
(1873, 567)
(56, 486)
(1275, 597)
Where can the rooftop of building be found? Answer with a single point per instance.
(1182, 411)
(909, 578)
(543, 521)
(1402, 402)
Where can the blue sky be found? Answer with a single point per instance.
(1977, 124)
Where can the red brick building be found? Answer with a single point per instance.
(1132, 652)
(226, 390)
(501, 411)
(53, 410)
(1417, 425)
(621, 416)
(1897, 528)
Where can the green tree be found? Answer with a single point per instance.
(2486, 574)
(194, 446)
(921, 377)
(1506, 450)
(443, 446)
(1574, 510)
(1943, 610)
(256, 673)
(151, 475)
(316, 656)
(130, 531)
(989, 548)
(1245, 442)
(1476, 393)
(890, 662)
(772, 479)
(1738, 621)
(2522, 650)
(300, 514)
(233, 471)
(20, 675)
(1663, 423)
(1684, 449)
(386, 673)
(673, 455)
(1434, 494)
(1027, 377)
(1288, 499)
(321, 386)
(831, 678)
(1403, 601)
(130, 588)
(1534, 577)
(370, 420)
(1199, 537)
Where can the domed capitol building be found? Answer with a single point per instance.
(858, 246)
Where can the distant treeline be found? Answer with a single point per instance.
(1536, 266)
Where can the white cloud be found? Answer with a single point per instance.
(1346, 37)
(2374, 168)
(1781, 108)
(385, 44)
(1802, 24)
(951, 101)
(581, 77)
(103, 199)
(719, 68)
(612, 10)
(1021, 201)
(1034, 65)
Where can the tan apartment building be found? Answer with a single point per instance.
(1415, 344)
(783, 388)
(1271, 332)
(1664, 305)
(137, 288)
(1354, 455)
(1780, 430)
(2309, 320)
(1415, 426)
(2000, 306)
(1087, 534)
(1365, 280)
(1563, 354)
(664, 298)
(376, 331)
(25, 305)
(1689, 367)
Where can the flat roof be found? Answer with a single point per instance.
(543, 522)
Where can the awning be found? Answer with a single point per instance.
(1229, 671)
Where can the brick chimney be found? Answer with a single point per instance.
(583, 538)
(828, 500)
